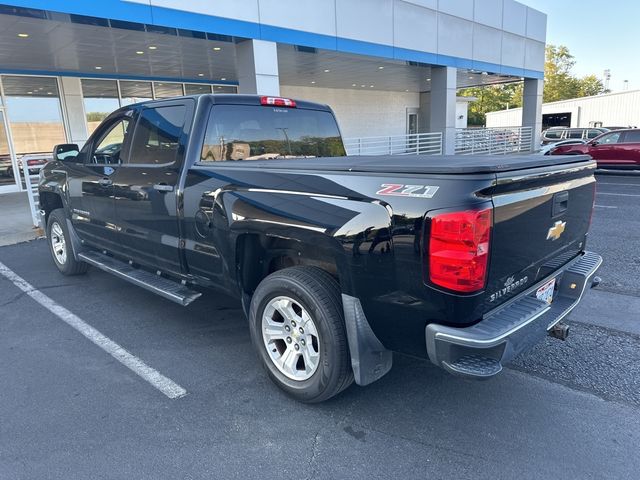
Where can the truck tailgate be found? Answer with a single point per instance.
(541, 220)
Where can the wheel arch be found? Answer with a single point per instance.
(259, 254)
(50, 201)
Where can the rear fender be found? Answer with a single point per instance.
(354, 236)
(344, 232)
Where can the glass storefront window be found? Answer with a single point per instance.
(224, 89)
(134, 92)
(196, 89)
(33, 108)
(168, 90)
(100, 99)
(6, 163)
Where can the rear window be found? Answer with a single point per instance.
(247, 132)
(632, 136)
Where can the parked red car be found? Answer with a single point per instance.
(619, 148)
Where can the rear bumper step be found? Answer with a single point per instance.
(480, 350)
(174, 291)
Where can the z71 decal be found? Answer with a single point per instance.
(398, 190)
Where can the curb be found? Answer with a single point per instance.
(621, 172)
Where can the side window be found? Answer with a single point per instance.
(632, 136)
(609, 139)
(109, 146)
(574, 133)
(156, 139)
(593, 134)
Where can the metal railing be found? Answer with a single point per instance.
(493, 141)
(31, 186)
(412, 144)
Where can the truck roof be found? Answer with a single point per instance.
(235, 99)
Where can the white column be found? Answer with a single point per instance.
(532, 109)
(424, 113)
(257, 65)
(443, 106)
(73, 107)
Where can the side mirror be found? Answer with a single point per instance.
(65, 151)
(593, 143)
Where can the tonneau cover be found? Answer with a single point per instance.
(436, 164)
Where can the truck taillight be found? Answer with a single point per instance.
(458, 255)
(278, 102)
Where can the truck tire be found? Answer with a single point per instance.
(60, 245)
(297, 327)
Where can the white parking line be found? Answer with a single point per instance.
(604, 206)
(137, 366)
(620, 194)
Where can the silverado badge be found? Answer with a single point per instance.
(510, 285)
(555, 231)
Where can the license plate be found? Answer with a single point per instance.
(545, 292)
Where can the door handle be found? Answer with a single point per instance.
(560, 203)
(163, 187)
(105, 182)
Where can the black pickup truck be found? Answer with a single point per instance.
(338, 260)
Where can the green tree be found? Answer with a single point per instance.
(559, 84)
(591, 85)
(490, 99)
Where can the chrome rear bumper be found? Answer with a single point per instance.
(480, 351)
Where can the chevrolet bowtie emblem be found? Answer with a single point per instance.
(557, 230)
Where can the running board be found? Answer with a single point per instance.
(174, 291)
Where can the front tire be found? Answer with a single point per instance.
(60, 245)
(297, 327)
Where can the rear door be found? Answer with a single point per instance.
(630, 148)
(146, 186)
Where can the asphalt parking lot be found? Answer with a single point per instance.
(69, 410)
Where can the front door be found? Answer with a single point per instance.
(146, 186)
(90, 178)
(412, 130)
(9, 172)
(412, 123)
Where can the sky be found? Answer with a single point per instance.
(600, 35)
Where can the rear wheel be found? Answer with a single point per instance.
(60, 245)
(297, 327)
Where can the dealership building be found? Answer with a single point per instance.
(618, 109)
(386, 67)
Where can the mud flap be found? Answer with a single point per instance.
(369, 359)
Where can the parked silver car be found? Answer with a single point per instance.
(556, 134)
(546, 149)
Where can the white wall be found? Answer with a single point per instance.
(505, 118)
(462, 110)
(614, 109)
(496, 31)
(361, 113)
